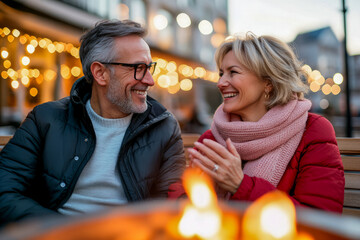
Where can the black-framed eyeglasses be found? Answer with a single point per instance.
(139, 68)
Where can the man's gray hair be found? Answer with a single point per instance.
(97, 44)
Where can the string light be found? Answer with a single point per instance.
(7, 64)
(4, 53)
(15, 84)
(186, 84)
(25, 60)
(167, 74)
(33, 92)
(338, 78)
(30, 48)
(160, 22)
(205, 27)
(317, 81)
(183, 20)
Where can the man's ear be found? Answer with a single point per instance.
(100, 73)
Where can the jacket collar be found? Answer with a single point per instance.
(80, 91)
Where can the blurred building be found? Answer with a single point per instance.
(322, 54)
(40, 51)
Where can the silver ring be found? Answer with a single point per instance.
(216, 167)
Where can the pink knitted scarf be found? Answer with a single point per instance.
(269, 144)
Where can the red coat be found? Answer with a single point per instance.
(313, 178)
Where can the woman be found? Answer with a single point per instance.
(262, 137)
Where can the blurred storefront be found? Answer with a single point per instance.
(40, 52)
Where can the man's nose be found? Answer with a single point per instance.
(148, 79)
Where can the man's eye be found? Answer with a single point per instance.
(140, 67)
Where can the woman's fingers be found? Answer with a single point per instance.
(231, 147)
(221, 151)
(199, 157)
(210, 152)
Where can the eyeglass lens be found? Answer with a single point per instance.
(141, 69)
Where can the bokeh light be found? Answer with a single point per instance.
(326, 89)
(324, 103)
(4, 53)
(205, 27)
(335, 89)
(183, 20)
(33, 92)
(338, 78)
(15, 84)
(186, 84)
(25, 60)
(160, 22)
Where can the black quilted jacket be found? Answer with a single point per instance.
(42, 162)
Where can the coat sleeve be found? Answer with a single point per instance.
(320, 181)
(173, 163)
(316, 176)
(19, 166)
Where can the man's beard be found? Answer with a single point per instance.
(124, 102)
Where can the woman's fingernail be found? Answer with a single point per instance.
(191, 150)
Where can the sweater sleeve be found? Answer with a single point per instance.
(19, 165)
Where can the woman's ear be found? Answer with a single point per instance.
(100, 73)
(268, 85)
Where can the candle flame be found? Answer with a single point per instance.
(201, 216)
(199, 189)
(272, 216)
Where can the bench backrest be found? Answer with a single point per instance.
(4, 140)
(350, 155)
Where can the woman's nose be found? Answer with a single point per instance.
(222, 82)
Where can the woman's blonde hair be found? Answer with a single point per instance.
(270, 59)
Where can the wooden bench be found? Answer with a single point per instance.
(350, 154)
(4, 140)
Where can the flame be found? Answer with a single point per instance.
(271, 217)
(202, 217)
(199, 189)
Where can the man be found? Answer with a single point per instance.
(105, 145)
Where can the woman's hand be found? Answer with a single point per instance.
(222, 164)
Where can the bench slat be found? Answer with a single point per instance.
(352, 180)
(4, 140)
(189, 139)
(352, 198)
(351, 211)
(351, 163)
(348, 145)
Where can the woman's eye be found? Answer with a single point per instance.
(233, 72)
(221, 74)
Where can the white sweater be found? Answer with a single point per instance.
(99, 186)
